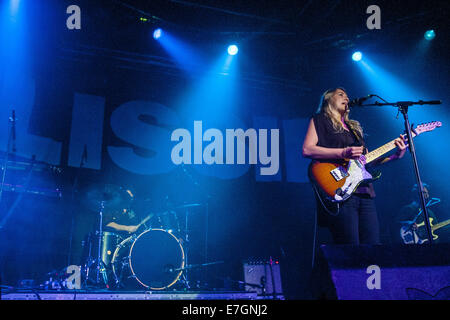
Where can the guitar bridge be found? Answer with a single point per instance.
(339, 173)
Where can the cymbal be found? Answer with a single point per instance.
(188, 205)
(18, 162)
(111, 196)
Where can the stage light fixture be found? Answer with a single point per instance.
(357, 56)
(429, 35)
(157, 34)
(233, 50)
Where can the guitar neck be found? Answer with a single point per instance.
(375, 154)
(440, 225)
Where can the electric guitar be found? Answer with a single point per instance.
(414, 234)
(337, 181)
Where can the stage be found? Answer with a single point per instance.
(136, 295)
(181, 150)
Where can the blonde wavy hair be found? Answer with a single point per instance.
(324, 107)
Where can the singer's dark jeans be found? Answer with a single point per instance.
(356, 223)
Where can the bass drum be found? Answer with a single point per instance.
(154, 260)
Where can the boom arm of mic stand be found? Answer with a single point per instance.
(402, 103)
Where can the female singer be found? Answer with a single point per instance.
(332, 136)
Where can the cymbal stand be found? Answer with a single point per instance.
(11, 138)
(72, 204)
(99, 264)
(100, 236)
(186, 251)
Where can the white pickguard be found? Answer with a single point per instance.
(356, 174)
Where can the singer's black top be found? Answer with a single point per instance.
(330, 138)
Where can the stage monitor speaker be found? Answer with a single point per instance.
(263, 277)
(380, 272)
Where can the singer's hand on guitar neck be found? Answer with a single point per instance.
(401, 144)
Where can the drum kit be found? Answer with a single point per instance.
(155, 257)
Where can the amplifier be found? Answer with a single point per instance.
(262, 276)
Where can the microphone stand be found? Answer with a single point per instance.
(403, 108)
(11, 136)
(74, 190)
(186, 234)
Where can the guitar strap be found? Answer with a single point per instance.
(356, 135)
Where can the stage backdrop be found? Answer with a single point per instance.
(89, 116)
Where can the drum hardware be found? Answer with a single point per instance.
(11, 140)
(100, 266)
(156, 258)
(96, 264)
(185, 240)
(194, 266)
(112, 197)
(188, 205)
(107, 197)
(72, 201)
(166, 220)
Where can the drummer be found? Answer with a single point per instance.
(123, 220)
(116, 205)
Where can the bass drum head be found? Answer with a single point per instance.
(153, 257)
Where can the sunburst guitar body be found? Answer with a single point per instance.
(338, 181)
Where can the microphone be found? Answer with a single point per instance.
(358, 101)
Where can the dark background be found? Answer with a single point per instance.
(290, 52)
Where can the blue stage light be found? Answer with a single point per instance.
(14, 7)
(357, 56)
(157, 34)
(429, 35)
(233, 50)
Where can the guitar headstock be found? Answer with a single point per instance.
(429, 126)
